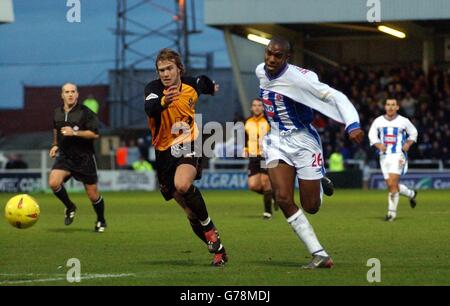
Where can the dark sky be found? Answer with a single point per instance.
(42, 48)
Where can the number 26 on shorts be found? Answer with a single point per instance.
(317, 160)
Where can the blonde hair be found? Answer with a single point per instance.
(167, 54)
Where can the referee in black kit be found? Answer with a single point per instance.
(74, 129)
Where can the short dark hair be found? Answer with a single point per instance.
(391, 98)
(256, 99)
(282, 42)
(167, 54)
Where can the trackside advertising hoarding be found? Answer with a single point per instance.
(415, 180)
(228, 180)
(121, 180)
(20, 182)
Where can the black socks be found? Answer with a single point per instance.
(99, 207)
(268, 196)
(62, 195)
(194, 200)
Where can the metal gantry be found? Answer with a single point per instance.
(138, 24)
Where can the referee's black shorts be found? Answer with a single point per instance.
(256, 165)
(167, 162)
(81, 168)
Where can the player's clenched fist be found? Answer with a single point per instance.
(356, 136)
(171, 95)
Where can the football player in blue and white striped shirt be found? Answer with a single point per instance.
(393, 135)
(292, 148)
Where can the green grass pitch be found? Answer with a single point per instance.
(149, 242)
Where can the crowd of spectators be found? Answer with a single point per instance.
(424, 99)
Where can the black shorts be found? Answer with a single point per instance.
(254, 166)
(167, 162)
(81, 168)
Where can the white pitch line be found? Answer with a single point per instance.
(57, 279)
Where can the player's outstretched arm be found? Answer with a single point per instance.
(329, 101)
(206, 86)
(154, 100)
(345, 108)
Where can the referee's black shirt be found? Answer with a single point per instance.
(80, 118)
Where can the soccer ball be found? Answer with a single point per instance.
(22, 211)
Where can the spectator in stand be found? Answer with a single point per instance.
(133, 153)
(408, 105)
(336, 162)
(142, 165)
(15, 161)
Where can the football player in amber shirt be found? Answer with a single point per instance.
(170, 106)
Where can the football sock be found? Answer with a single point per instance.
(198, 229)
(405, 191)
(305, 232)
(393, 203)
(194, 200)
(62, 195)
(99, 207)
(207, 224)
(268, 202)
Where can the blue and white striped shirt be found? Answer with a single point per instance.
(290, 97)
(392, 133)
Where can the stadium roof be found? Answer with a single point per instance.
(6, 11)
(328, 18)
(334, 32)
(319, 11)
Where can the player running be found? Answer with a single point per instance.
(292, 147)
(256, 127)
(75, 127)
(393, 135)
(170, 106)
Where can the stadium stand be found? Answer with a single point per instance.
(423, 99)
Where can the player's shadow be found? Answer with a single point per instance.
(174, 262)
(252, 216)
(69, 230)
(378, 218)
(279, 263)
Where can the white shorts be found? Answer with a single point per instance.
(395, 163)
(301, 149)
